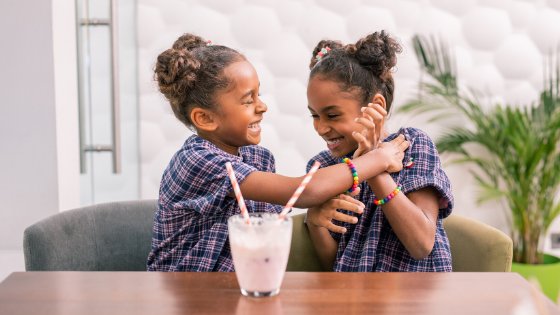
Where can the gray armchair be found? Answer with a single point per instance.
(117, 236)
(475, 246)
(113, 236)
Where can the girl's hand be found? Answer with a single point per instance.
(373, 117)
(394, 153)
(323, 215)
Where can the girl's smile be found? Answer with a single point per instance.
(333, 112)
(240, 109)
(255, 128)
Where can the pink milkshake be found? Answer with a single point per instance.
(260, 252)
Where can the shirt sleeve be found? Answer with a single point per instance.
(198, 180)
(426, 170)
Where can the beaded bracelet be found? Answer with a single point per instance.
(390, 196)
(354, 174)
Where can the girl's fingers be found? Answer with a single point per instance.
(378, 108)
(349, 199)
(335, 228)
(378, 131)
(404, 145)
(369, 135)
(398, 140)
(377, 114)
(358, 137)
(345, 218)
(367, 123)
(375, 138)
(373, 114)
(363, 144)
(348, 206)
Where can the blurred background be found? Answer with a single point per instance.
(82, 122)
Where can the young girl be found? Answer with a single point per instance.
(350, 91)
(214, 91)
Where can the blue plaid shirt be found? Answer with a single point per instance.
(190, 226)
(371, 244)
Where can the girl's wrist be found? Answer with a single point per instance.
(382, 184)
(383, 158)
(379, 179)
(371, 164)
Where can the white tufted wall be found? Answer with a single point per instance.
(499, 46)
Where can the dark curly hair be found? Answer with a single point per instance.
(191, 72)
(363, 68)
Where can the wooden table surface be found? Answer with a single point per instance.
(100, 293)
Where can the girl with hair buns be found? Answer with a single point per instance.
(214, 91)
(349, 93)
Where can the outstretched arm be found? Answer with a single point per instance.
(327, 182)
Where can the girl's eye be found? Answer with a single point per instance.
(315, 116)
(332, 116)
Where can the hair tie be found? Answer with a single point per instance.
(322, 53)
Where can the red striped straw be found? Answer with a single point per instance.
(300, 189)
(237, 192)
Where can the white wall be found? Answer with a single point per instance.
(28, 164)
(66, 100)
(499, 46)
(38, 165)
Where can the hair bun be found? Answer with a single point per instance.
(323, 44)
(189, 42)
(377, 51)
(175, 72)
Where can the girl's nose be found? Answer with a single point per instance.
(261, 107)
(321, 127)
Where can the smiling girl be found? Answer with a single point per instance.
(214, 91)
(350, 91)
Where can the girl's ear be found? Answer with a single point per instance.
(203, 119)
(379, 100)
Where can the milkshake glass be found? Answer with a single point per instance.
(260, 252)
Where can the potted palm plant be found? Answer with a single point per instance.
(517, 149)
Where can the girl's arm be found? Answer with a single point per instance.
(327, 182)
(413, 217)
(325, 246)
(319, 222)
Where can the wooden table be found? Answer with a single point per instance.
(100, 293)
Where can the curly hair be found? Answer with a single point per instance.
(364, 67)
(191, 72)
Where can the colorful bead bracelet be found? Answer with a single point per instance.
(385, 200)
(354, 174)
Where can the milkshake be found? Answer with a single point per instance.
(260, 252)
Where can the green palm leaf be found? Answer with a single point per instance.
(520, 163)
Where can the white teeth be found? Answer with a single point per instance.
(333, 141)
(254, 126)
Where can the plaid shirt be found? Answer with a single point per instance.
(190, 226)
(371, 244)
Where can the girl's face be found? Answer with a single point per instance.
(333, 112)
(240, 109)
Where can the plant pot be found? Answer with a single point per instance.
(548, 274)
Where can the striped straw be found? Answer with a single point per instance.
(300, 189)
(237, 192)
